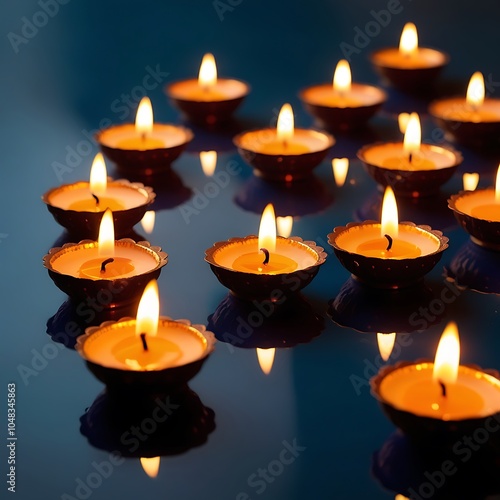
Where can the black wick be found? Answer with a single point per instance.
(410, 157)
(443, 389)
(389, 239)
(266, 253)
(105, 263)
(96, 199)
(143, 340)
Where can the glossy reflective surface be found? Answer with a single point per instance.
(309, 429)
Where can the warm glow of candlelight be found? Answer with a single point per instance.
(470, 181)
(342, 77)
(151, 465)
(106, 239)
(267, 229)
(340, 167)
(389, 220)
(386, 343)
(284, 225)
(148, 311)
(497, 185)
(144, 117)
(266, 359)
(148, 221)
(208, 160)
(408, 44)
(285, 125)
(413, 135)
(447, 356)
(403, 121)
(475, 90)
(98, 176)
(207, 77)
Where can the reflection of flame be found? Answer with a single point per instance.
(285, 125)
(389, 220)
(340, 168)
(208, 160)
(148, 221)
(144, 117)
(497, 185)
(98, 176)
(403, 121)
(151, 466)
(413, 134)
(106, 239)
(148, 311)
(266, 359)
(408, 44)
(342, 77)
(475, 90)
(447, 356)
(207, 77)
(267, 229)
(386, 343)
(470, 181)
(284, 225)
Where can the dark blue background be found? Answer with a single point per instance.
(65, 80)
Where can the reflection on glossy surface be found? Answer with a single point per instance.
(468, 471)
(372, 310)
(148, 426)
(304, 197)
(262, 324)
(430, 210)
(71, 319)
(475, 267)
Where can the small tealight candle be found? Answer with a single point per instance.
(491, 209)
(208, 99)
(343, 105)
(443, 390)
(208, 160)
(284, 153)
(470, 181)
(340, 167)
(409, 66)
(385, 342)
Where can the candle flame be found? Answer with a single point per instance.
(151, 466)
(148, 221)
(403, 121)
(413, 135)
(207, 77)
(148, 311)
(106, 239)
(475, 90)
(497, 185)
(447, 356)
(470, 181)
(266, 359)
(400, 497)
(144, 117)
(342, 77)
(389, 220)
(284, 225)
(267, 229)
(386, 343)
(98, 176)
(408, 44)
(285, 125)
(208, 160)
(340, 167)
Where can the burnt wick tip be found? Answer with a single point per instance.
(143, 340)
(105, 263)
(266, 253)
(389, 240)
(96, 199)
(443, 389)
